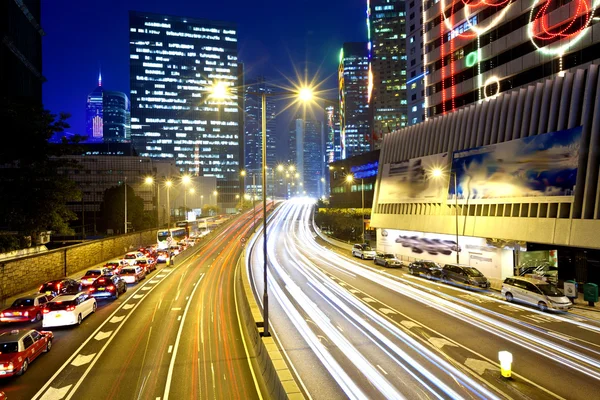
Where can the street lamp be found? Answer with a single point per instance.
(438, 173)
(350, 179)
(150, 181)
(168, 184)
(303, 94)
(185, 179)
(243, 175)
(125, 185)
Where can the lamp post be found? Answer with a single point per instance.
(437, 173)
(185, 179)
(168, 184)
(192, 191)
(350, 179)
(125, 186)
(304, 94)
(243, 185)
(150, 181)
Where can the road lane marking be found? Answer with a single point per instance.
(170, 349)
(56, 394)
(127, 306)
(147, 288)
(479, 366)
(440, 342)
(381, 369)
(409, 324)
(82, 360)
(176, 309)
(387, 311)
(138, 296)
(179, 318)
(102, 335)
(178, 338)
(47, 387)
(116, 320)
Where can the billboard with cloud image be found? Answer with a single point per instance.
(411, 181)
(536, 166)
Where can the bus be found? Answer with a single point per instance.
(193, 228)
(163, 235)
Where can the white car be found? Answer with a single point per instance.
(133, 257)
(545, 295)
(133, 274)
(68, 309)
(363, 251)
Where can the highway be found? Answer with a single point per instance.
(353, 330)
(174, 335)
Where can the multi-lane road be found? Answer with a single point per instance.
(175, 335)
(354, 330)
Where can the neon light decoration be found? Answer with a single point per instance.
(568, 33)
(488, 84)
(472, 58)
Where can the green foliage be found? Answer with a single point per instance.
(34, 196)
(9, 243)
(342, 223)
(112, 210)
(209, 210)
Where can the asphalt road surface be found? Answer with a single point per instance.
(175, 335)
(354, 330)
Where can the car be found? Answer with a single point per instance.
(92, 274)
(108, 286)
(19, 348)
(133, 257)
(387, 260)
(24, 309)
(162, 256)
(133, 274)
(544, 295)
(148, 265)
(430, 269)
(68, 309)
(364, 251)
(115, 265)
(464, 275)
(60, 286)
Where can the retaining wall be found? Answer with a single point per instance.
(26, 273)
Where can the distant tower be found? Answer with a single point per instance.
(94, 113)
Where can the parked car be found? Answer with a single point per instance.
(108, 286)
(544, 295)
(387, 260)
(429, 268)
(465, 275)
(133, 274)
(364, 251)
(60, 286)
(24, 309)
(68, 309)
(19, 348)
(93, 274)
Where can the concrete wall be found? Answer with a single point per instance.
(27, 273)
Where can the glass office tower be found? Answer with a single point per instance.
(174, 64)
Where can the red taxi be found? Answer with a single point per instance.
(19, 348)
(25, 309)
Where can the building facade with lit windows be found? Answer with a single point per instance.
(174, 64)
(353, 80)
(415, 71)
(253, 127)
(333, 144)
(387, 37)
(307, 153)
(475, 51)
(346, 194)
(116, 117)
(94, 113)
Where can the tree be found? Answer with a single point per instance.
(35, 195)
(112, 210)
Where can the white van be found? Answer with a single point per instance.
(544, 295)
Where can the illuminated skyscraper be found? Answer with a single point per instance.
(387, 35)
(115, 117)
(415, 73)
(333, 147)
(174, 64)
(94, 113)
(353, 79)
(253, 127)
(307, 146)
(475, 51)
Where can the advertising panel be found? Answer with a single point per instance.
(536, 166)
(411, 181)
(473, 251)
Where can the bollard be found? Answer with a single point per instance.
(506, 359)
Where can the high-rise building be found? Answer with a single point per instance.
(387, 37)
(333, 146)
(94, 113)
(107, 115)
(475, 51)
(306, 143)
(253, 127)
(415, 73)
(353, 80)
(175, 62)
(21, 51)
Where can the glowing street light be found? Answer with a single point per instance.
(219, 90)
(305, 94)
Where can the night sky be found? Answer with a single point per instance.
(273, 37)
